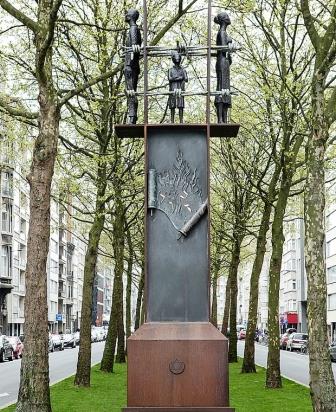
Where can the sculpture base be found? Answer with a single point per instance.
(179, 367)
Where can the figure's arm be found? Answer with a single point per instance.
(186, 79)
(135, 39)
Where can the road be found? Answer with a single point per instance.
(62, 365)
(293, 365)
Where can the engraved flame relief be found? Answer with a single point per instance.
(177, 193)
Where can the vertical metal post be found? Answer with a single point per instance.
(145, 56)
(145, 107)
(208, 117)
(208, 121)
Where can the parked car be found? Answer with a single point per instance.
(94, 335)
(77, 337)
(56, 342)
(296, 340)
(242, 334)
(101, 333)
(6, 349)
(284, 339)
(332, 349)
(69, 340)
(17, 346)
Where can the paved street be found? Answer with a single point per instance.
(62, 365)
(293, 365)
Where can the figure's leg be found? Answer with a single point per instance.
(181, 114)
(172, 115)
(219, 107)
(225, 114)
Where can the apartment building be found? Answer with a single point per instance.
(6, 227)
(65, 263)
(293, 280)
(331, 270)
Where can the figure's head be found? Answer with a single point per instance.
(176, 57)
(222, 18)
(132, 15)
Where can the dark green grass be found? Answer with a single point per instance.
(247, 392)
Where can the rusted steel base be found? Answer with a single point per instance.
(173, 409)
(178, 367)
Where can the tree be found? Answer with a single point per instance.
(322, 115)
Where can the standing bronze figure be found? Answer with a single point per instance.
(224, 60)
(132, 66)
(177, 77)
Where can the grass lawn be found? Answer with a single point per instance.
(108, 393)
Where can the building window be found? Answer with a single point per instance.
(53, 246)
(331, 247)
(7, 217)
(331, 220)
(331, 274)
(6, 261)
(53, 266)
(332, 301)
(294, 284)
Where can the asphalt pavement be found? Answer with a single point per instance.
(62, 365)
(293, 365)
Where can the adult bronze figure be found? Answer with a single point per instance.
(177, 77)
(132, 66)
(223, 101)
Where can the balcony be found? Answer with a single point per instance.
(69, 300)
(62, 237)
(7, 192)
(70, 276)
(61, 294)
(5, 285)
(6, 227)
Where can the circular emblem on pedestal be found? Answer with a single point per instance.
(177, 367)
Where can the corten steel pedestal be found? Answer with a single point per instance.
(177, 361)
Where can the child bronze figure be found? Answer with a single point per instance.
(177, 77)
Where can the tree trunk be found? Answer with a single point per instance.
(214, 299)
(34, 395)
(225, 323)
(249, 352)
(83, 372)
(143, 311)
(273, 375)
(139, 299)
(322, 385)
(114, 331)
(129, 284)
(34, 383)
(235, 260)
(121, 352)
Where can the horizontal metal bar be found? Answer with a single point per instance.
(185, 93)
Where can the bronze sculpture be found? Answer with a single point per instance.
(224, 60)
(132, 66)
(177, 77)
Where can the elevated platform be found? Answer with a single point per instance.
(216, 130)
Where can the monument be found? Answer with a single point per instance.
(177, 360)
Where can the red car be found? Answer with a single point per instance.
(242, 334)
(17, 346)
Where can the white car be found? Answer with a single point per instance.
(296, 340)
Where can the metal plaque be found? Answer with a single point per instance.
(177, 225)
